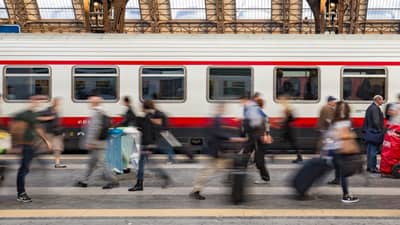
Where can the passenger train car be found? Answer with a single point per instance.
(189, 74)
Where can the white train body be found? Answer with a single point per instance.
(331, 56)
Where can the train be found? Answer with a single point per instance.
(187, 75)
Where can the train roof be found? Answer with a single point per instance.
(199, 47)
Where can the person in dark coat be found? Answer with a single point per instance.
(148, 142)
(129, 116)
(374, 120)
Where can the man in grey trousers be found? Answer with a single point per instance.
(96, 147)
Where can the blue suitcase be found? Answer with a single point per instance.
(114, 150)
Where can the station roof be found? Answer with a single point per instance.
(201, 11)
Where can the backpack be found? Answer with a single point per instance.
(17, 129)
(105, 126)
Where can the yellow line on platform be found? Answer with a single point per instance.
(177, 213)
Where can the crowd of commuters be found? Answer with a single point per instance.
(42, 130)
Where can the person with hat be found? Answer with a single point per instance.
(326, 114)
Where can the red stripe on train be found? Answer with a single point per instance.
(196, 122)
(211, 63)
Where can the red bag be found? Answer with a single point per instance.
(390, 153)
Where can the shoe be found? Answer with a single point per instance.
(117, 171)
(334, 182)
(375, 170)
(23, 197)
(127, 170)
(138, 186)
(111, 185)
(196, 195)
(350, 199)
(298, 160)
(60, 166)
(81, 184)
(263, 180)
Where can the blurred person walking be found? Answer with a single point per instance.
(341, 144)
(217, 137)
(160, 123)
(257, 133)
(394, 111)
(149, 136)
(326, 116)
(129, 118)
(50, 119)
(288, 132)
(96, 132)
(24, 129)
(373, 129)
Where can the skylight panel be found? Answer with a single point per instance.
(132, 10)
(307, 12)
(188, 9)
(56, 9)
(3, 10)
(253, 9)
(383, 10)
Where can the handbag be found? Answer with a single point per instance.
(348, 142)
(267, 139)
(373, 136)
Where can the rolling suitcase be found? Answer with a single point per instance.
(114, 151)
(313, 170)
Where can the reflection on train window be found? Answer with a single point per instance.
(297, 83)
(23, 82)
(99, 81)
(229, 83)
(163, 83)
(362, 84)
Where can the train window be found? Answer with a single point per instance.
(229, 83)
(297, 83)
(23, 82)
(362, 84)
(163, 83)
(95, 80)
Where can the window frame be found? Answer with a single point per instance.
(342, 76)
(275, 79)
(5, 99)
(229, 67)
(73, 75)
(141, 99)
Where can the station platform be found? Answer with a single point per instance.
(57, 201)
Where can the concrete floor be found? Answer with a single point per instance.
(53, 189)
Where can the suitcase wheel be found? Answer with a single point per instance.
(396, 171)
